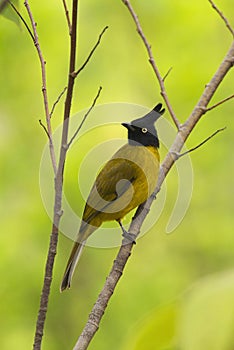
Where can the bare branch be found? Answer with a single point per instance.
(57, 101)
(223, 17)
(152, 62)
(91, 53)
(44, 86)
(167, 73)
(85, 117)
(219, 103)
(179, 155)
(67, 15)
(104, 297)
(58, 182)
(44, 127)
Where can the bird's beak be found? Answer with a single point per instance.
(128, 126)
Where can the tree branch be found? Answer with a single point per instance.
(67, 16)
(44, 85)
(179, 155)
(223, 17)
(57, 101)
(58, 189)
(185, 130)
(219, 103)
(104, 297)
(167, 73)
(44, 128)
(85, 117)
(152, 62)
(90, 54)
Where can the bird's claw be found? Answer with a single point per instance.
(130, 237)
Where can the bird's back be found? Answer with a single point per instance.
(125, 182)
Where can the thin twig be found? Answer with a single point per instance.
(223, 17)
(167, 73)
(152, 62)
(44, 86)
(23, 20)
(85, 117)
(179, 155)
(57, 101)
(44, 127)
(219, 103)
(91, 53)
(67, 15)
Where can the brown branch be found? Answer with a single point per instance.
(104, 297)
(44, 86)
(58, 190)
(222, 16)
(91, 53)
(167, 73)
(152, 62)
(85, 117)
(67, 16)
(44, 128)
(185, 130)
(179, 155)
(57, 101)
(219, 103)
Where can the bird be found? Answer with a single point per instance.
(126, 181)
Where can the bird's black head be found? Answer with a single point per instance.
(142, 131)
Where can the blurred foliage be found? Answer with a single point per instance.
(156, 331)
(160, 293)
(202, 319)
(9, 11)
(206, 320)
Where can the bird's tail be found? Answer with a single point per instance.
(71, 265)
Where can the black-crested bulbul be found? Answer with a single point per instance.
(125, 182)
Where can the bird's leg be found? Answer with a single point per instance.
(130, 236)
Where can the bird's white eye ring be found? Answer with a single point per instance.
(144, 130)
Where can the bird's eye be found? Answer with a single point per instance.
(144, 130)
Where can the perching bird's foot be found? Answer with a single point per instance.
(129, 236)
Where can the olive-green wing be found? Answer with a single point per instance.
(113, 181)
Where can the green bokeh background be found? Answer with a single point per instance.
(153, 306)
